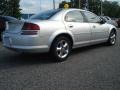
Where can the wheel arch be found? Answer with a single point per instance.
(113, 29)
(109, 42)
(54, 37)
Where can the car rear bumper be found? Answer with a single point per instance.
(22, 43)
(28, 49)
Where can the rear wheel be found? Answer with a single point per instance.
(61, 48)
(112, 38)
(0, 35)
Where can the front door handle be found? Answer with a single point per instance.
(94, 26)
(70, 26)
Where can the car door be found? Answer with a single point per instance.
(74, 22)
(99, 30)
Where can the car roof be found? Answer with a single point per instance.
(70, 9)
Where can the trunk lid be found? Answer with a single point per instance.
(14, 26)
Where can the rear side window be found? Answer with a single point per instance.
(46, 14)
(74, 16)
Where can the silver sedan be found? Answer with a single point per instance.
(58, 31)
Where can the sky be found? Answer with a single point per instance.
(35, 6)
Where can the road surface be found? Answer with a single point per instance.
(89, 68)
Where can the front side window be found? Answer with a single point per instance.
(74, 16)
(92, 18)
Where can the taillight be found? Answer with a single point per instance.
(30, 26)
(30, 29)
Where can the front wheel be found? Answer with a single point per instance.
(61, 48)
(112, 38)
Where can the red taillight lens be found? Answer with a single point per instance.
(30, 26)
(30, 29)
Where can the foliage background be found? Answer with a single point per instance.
(10, 8)
(111, 9)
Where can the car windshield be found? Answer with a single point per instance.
(45, 15)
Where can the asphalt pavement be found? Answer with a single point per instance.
(89, 68)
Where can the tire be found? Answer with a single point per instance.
(112, 38)
(61, 48)
(0, 36)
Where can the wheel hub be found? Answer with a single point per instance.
(62, 49)
(113, 38)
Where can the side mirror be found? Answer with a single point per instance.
(102, 21)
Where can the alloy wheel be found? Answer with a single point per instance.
(62, 49)
(113, 38)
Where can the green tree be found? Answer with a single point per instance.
(111, 9)
(10, 8)
(95, 6)
(3, 5)
(78, 3)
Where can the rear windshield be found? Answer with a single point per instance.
(45, 15)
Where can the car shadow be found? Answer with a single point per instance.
(18, 60)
